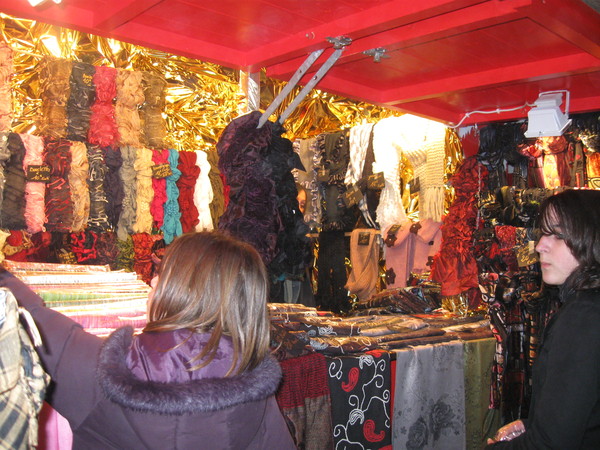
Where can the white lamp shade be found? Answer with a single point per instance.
(546, 118)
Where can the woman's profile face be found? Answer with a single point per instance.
(556, 259)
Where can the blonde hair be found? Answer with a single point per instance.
(211, 282)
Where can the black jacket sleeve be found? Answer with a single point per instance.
(565, 409)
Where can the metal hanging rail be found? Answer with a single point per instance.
(339, 43)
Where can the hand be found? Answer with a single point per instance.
(508, 432)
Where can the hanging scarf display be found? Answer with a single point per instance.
(126, 258)
(98, 220)
(80, 195)
(55, 88)
(217, 205)
(113, 184)
(12, 215)
(364, 257)
(159, 186)
(144, 193)
(335, 151)
(81, 98)
(557, 161)
(142, 248)
(153, 123)
(83, 245)
(108, 249)
(35, 191)
(130, 97)
(59, 206)
(103, 129)
(172, 218)
(292, 249)
(360, 145)
(203, 192)
(423, 143)
(387, 160)
(186, 184)
(6, 71)
(497, 142)
(306, 149)
(251, 213)
(127, 173)
(4, 157)
(455, 266)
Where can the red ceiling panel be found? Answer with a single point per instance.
(445, 58)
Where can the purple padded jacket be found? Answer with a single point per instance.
(117, 394)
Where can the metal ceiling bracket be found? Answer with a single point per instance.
(339, 43)
(377, 53)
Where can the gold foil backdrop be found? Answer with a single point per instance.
(202, 98)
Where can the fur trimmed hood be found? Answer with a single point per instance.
(205, 395)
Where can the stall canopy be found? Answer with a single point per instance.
(439, 59)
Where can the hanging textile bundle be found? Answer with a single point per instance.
(130, 97)
(455, 266)
(80, 101)
(251, 214)
(35, 191)
(186, 184)
(220, 192)
(55, 88)
(108, 249)
(203, 192)
(12, 215)
(59, 206)
(153, 123)
(142, 248)
(103, 129)
(172, 217)
(126, 258)
(6, 71)
(144, 193)
(390, 210)
(159, 186)
(98, 220)
(293, 249)
(364, 256)
(113, 184)
(83, 245)
(308, 178)
(128, 173)
(4, 157)
(80, 195)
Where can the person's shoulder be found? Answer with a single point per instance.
(583, 307)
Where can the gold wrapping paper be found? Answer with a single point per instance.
(201, 98)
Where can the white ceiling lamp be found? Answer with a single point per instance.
(545, 118)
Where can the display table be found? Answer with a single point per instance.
(433, 396)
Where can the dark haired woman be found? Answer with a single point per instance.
(565, 405)
(198, 376)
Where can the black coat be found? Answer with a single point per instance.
(565, 404)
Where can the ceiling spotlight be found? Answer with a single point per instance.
(545, 118)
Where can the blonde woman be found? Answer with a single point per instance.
(198, 376)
